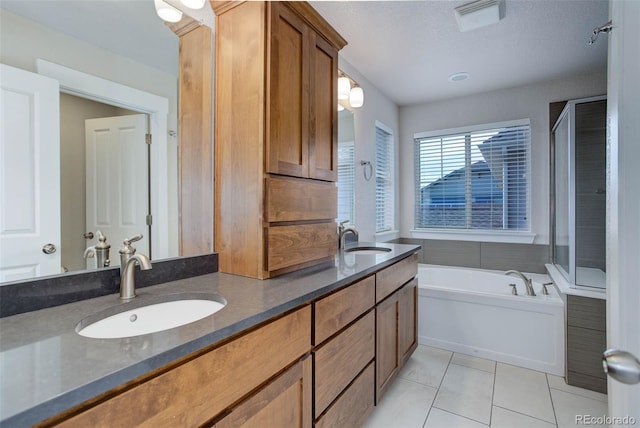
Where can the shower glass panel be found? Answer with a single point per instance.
(579, 238)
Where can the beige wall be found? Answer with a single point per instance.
(526, 102)
(23, 41)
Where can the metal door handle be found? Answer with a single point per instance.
(88, 235)
(621, 365)
(49, 248)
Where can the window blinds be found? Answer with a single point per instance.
(346, 181)
(384, 180)
(477, 179)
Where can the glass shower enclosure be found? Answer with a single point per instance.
(579, 192)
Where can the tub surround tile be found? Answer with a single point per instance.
(466, 392)
(557, 382)
(525, 258)
(427, 366)
(474, 362)
(504, 418)
(439, 419)
(405, 404)
(524, 391)
(452, 253)
(568, 406)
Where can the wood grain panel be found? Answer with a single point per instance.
(340, 360)
(408, 320)
(353, 407)
(288, 113)
(195, 145)
(387, 355)
(285, 402)
(337, 310)
(586, 312)
(296, 244)
(193, 393)
(240, 88)
(323, 110)
(291, 199)
(580, 380)
(390, 279)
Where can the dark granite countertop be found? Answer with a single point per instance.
(47, 368)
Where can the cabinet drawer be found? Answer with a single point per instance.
(354, 405)
(339, 361)
(337, 310)
(293, 245)
(291, 199)
(193, 393)
(390, 279)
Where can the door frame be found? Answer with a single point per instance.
(105, 91)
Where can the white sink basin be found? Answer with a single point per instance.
(150, 315)
(367, 250)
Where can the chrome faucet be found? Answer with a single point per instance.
(527, 281)
(100, 251)
(342, 231)
(128, 260)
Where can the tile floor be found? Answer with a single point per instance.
(442, 389)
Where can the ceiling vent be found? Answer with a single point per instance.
(479, 14)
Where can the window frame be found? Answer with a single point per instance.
(389, 214)
(485, 235)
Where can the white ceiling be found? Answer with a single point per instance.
(407, 49)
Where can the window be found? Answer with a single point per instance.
(475, 178)
(346, 181)
(385, 218)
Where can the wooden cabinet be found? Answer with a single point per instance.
(284, 402)
(198, 391)
(396, 320)
(275, 133)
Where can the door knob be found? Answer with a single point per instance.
(621, 365)
(88, 235)
(49, 248)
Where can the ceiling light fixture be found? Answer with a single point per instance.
(167, 12)
(459, 77)
(479, 13)
(356, 97)
(344, 87)
(193, 4)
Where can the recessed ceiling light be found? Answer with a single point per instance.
(458, 77)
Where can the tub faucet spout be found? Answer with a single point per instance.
(527, 281)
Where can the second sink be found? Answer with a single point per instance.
(367, 250)
(150, 315)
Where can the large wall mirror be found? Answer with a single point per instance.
(115, 63)
(346, 166)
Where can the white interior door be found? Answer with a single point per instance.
(29, 175)
(623, 215)
(117, 180)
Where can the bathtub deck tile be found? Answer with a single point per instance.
(523, 391)
(474, 362)
(466, 392)
(426, 366)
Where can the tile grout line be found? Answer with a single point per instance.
(461, 416)
(493, 390)
(529, 416)
(438, 389)
(553, 407)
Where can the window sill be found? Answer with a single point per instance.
(387, 236)
(477, 236)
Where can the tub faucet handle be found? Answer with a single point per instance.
(514, 290)
(544, 288)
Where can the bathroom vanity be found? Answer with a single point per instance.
(316, 346)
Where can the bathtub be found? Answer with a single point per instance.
(472, 311)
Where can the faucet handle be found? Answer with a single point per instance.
(514, 290)
(544, 288)
(342, 223)
(134, 238)
(127, 249)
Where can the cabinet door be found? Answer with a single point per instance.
(323, 109)
(407, 320)
(387, 361)
(285, 402)
(288, 113)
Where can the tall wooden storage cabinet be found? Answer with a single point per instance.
(275, 137)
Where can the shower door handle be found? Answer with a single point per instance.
(623, 366)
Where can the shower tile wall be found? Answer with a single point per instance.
(483, 255)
